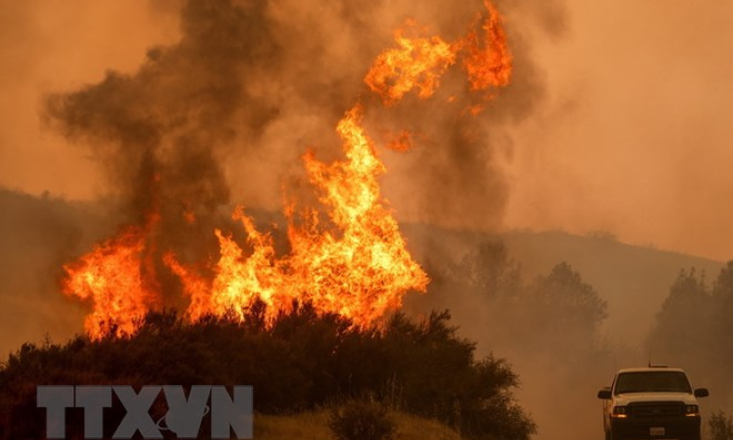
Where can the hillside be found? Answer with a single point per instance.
(634, 280)
(314, 426)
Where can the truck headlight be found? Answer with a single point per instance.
(619, 412)
(692, 410)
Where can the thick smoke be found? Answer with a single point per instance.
(156, 132)
(230, 108)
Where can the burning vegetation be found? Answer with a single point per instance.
(345, 256)
(302, 360)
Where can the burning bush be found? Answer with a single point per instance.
(300, 361)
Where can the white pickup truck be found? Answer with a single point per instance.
(651, 403)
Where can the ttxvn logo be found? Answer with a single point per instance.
(183, 418)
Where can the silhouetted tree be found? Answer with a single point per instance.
(490, 270)
(567, 303)
(693, 330)
(683, 325)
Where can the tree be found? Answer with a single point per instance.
(571, 302)
(490, 270)
(682, 329)
(693, 330)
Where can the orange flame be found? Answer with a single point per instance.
(238, 280)
(417, 63)
(420, 62)
(356, 264)
(115, 278)
(489, 62)
(366, 270)
(362, 273)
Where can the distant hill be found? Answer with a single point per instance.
(634, 280)
(37, 235)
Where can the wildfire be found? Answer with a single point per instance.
(418, 62)
(361, 272)
(366, 270)
(355, 264)
(489, 62)
(118, 279)
(239, 280)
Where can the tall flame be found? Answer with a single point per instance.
(365, 271)
(361, 270)
(488, 62)
(356, 264)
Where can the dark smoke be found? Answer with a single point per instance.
(252, 83)
(157, 133)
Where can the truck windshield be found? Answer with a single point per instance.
(652, 381)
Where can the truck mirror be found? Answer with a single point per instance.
(606, 394)
(702, 392)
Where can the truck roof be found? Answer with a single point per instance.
(643, 369)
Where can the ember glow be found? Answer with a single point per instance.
(347, 257)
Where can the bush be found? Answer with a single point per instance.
(300, 361)
(721, 426)
(362, 420)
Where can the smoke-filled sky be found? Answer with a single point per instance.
(618, 120)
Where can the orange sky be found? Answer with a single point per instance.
(636, 139)
(633, 138)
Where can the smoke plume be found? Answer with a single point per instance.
(229, 109)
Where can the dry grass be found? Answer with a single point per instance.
(314, 426)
